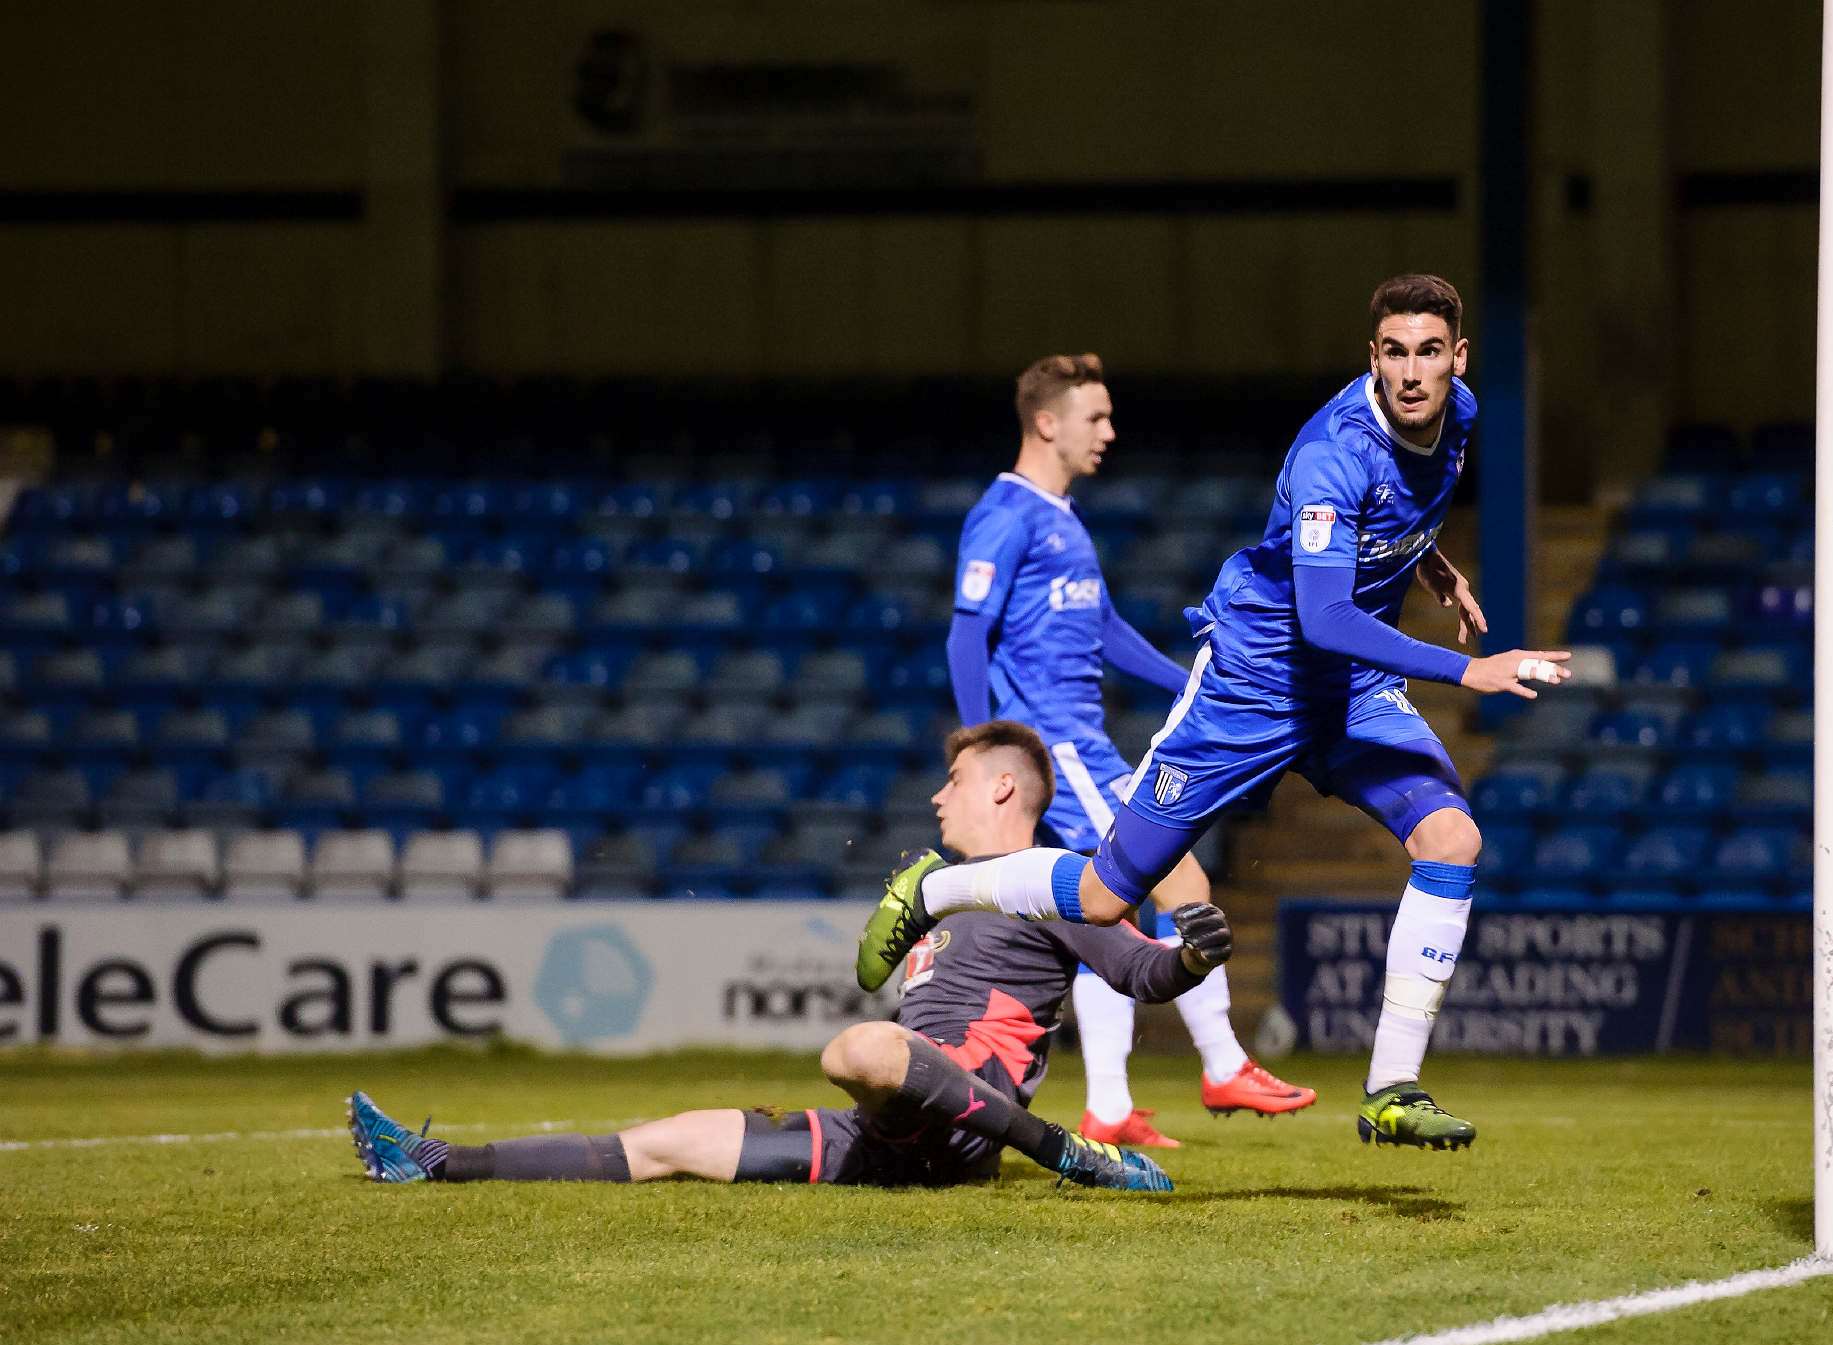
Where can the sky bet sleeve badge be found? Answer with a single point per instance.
(977, 580)
(1314, 522)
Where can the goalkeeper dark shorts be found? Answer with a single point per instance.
(849, 1147)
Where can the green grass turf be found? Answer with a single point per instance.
(1589, 1180)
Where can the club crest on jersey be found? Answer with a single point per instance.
(1168, 788)
(1314, 524)
(1384, 492)
(977, 580)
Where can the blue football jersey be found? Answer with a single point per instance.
(1352, 495)
(1026, 557)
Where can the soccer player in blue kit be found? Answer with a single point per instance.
(1033, 622)
(1303, 669)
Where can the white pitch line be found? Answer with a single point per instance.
(1572, 1316)
(312, 1133)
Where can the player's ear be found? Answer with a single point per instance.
(1460, 356)
(1005, 785)
(1044, 424)
(1374, 360)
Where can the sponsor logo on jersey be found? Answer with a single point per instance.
(1372, 548)
(1168, 788)
(1055, 542)
(920, 965)
(1074, 595)
(1314, 524)
(977, 580)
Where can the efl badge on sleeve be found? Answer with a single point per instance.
(977, 580)
(1169, 787)
(1314, 522)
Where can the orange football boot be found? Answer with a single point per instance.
(1135, 1129)
(1253, 1089)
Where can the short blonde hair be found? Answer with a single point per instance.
(1049, 378)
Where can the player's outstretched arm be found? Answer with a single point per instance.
(1329, 618)
(1439, 577)
(1512, 670)
(1135, 655)
(968, 663)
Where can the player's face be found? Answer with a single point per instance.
(966, 806)
(1415, 359)
(1084, 428)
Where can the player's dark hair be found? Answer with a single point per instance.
(1041, 787)
(1416, 294)
(1049, 378)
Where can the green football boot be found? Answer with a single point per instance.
(1404, 1113)
(897, 924)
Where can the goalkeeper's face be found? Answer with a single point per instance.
(969, 804)
(1415, 357)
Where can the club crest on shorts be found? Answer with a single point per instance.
(1314, 523)
(1168, 788)
(977, 580)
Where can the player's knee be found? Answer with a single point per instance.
(872, 1055)
(1448, 836)
(1100, 906)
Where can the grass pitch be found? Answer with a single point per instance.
(1589, 1180)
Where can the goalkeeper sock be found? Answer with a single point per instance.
(1037, 884)
(1104, 1021)
(1422, 953)
(539, 1158)
(941, 1089)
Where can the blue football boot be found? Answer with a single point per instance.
(389, 1150)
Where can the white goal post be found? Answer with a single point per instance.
(1823, 667)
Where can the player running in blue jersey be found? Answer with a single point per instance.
(1033, 622)
(1303, 669)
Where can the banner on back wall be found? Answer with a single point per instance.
(614, 978)
(1546, 983)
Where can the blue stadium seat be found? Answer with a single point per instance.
(104, 735)
(546, 503)
(1762, 668)
(647, 723)
(1675, 664)
(1766, 495)
(1762, 853)
(1642, 553)
(510, 792)
(539, 736)
(1609, 609)
(319, 799)
(1556, 897)
(1726, 727)
(1697, 787)
(366, 738)
(1611, 789)
(1642, 727)
(671, 555)
(234, 799)
(412, 560)
(1518, 789)
(404, 500)
(744, 556)
(1669, 853)
(1576, 852)
(469, 611)
(669, 671)
(679, 788)
(586, 676)
(470, 501)
(594, 793)
(647, 499)
(798, 499)
(1672, 496)
(1785, 603)
(459, 733)
(313, 497)
(802, 610)
(583, 559)
(28, 735)
(859, 785)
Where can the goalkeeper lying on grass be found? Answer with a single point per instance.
(937, 1093)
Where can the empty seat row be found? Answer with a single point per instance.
(275, 864)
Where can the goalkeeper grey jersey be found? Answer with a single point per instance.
(993, 986)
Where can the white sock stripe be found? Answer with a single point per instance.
(1573, 1316)
(1083, 785)
(1178, 710)
(506, 1128)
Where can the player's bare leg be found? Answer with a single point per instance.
(1423, 949)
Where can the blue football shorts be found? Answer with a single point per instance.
(1226, 744)
(1091, 785)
